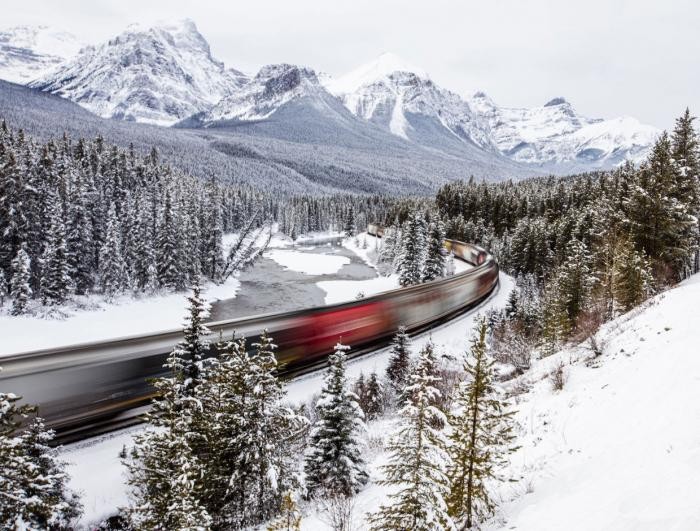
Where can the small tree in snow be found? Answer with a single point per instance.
(412, 257)
(482, 437)
(400, 361)
(33, 482)
(334, 465)
(435, 260)
(418, 462)
(289, 518)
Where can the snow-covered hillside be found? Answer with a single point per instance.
(156, 75)
(619, 447)
(27, 52)
(397, 96)
(270, 89)
(404, 100)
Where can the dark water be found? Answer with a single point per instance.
(268, 287)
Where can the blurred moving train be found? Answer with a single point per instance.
(89, 388)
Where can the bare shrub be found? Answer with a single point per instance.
(511, 346)
(558, 377)
(337, 512)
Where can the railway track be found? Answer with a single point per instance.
(88, 389)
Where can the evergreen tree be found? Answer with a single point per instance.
(450, 267)
(165, 473)
(55, 280)
(167, 250)
(399, 366)
(20, 292)
(632, 279)
(333, 464)
(113, 275)
(410, 263)
(373, 399)
(418, 462)
(79, 243)
(435, 259)
(574, 281)
(481, 438)
(33, 483)
(194, 347)
(3, 288)
(350, 227)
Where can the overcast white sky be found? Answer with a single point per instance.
(608, 57)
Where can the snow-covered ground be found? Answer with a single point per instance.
(308, 263)
(98, 320)
(619, 447)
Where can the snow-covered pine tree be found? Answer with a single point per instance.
(4, 292)
(482, 437)
(165, 472)
(20, 292)
(266, 461)
(632, 279)
(387, 252)
(418, 462)
(113, 274)
(54, 264)
(195, 344)
(289, 518)
(350, 225)
(373, 399)
(33, 482)
(410, 262)
(333, 463)
(399, 366)
(167, 249)
(435, 259)
(574, 281)
(79, 242)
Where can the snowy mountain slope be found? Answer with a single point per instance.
(157, 75)
(27, 52)
(619, 447)
(556, 134)
(405, 101)
(327, 155)
(400, 98)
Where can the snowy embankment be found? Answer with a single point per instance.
(99, 320)
(619, 447)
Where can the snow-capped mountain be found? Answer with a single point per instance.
(27, 52)
(556, 134)
(157, 75)
(271, 88)
(404, 100)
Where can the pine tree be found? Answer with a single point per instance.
(20, 292)
(167, 249)
(165, 473)
(399, 366)
(79, 243)
(350, 227)
(3, 288)
(113, 275)
(574, 281)
(481, 439)
(632, 279)
(33, 483)
(418, 462)
(333, 463)
(289, 518)
(373, 399)
(450, 267)
(55, 280)
(410, 263)
(435, 260)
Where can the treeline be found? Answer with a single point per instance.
(81, 216)
(588, 247)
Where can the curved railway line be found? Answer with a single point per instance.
(86, 389)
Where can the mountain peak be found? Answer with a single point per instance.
(556, 101)
(376, 70)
